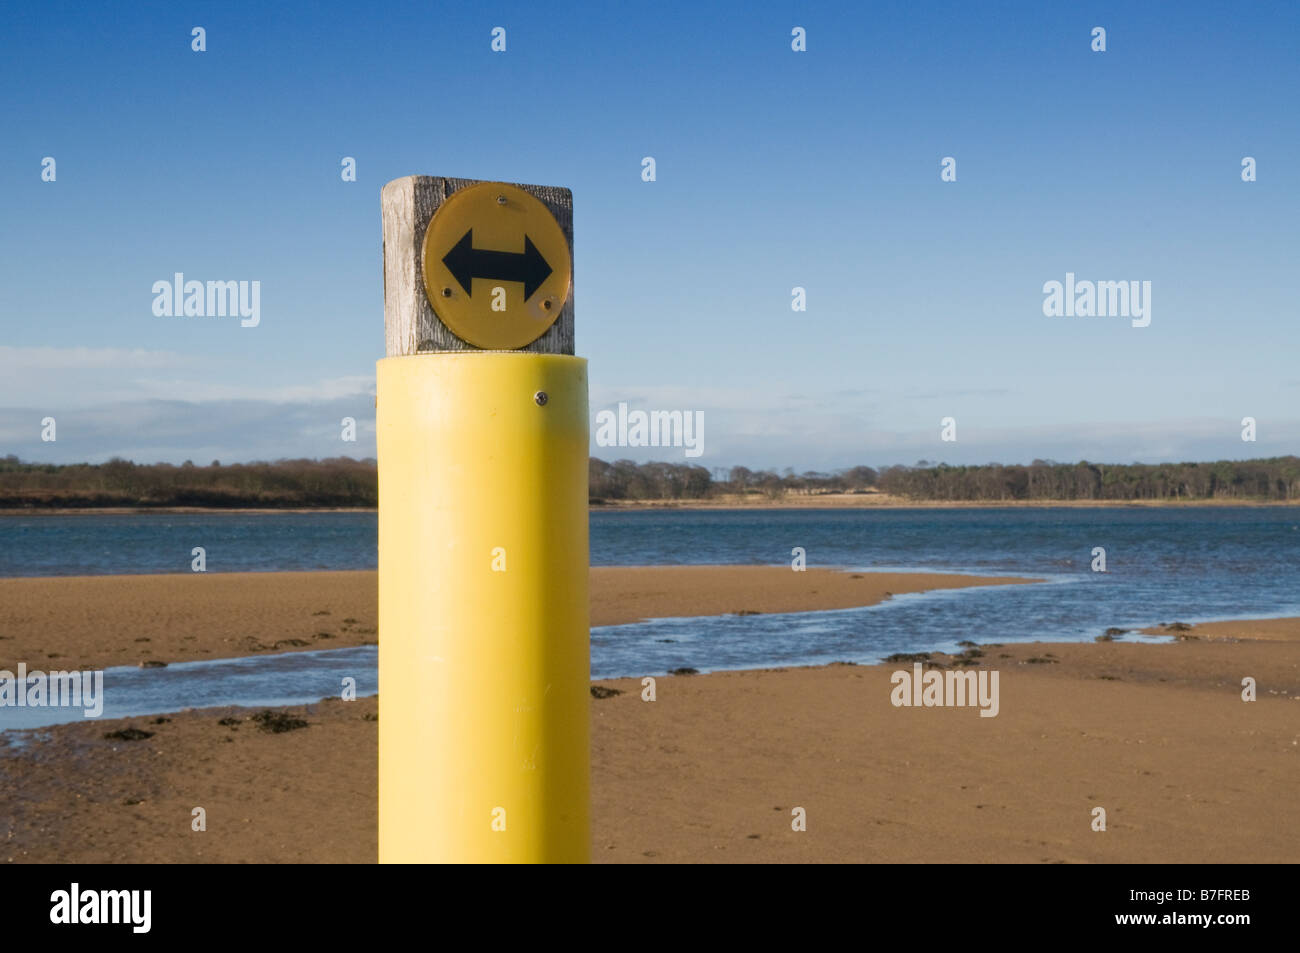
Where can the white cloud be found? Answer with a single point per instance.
(196, 391)
(55, 378)
(171, 407)
(174, 431)
(14, 360)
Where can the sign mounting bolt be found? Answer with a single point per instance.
(541, 398)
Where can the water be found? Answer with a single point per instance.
(291, 678)
(1164, 565)
(134, 543)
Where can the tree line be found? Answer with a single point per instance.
(284, 484)
(344, 482)
(626, 480)
(1277, 478)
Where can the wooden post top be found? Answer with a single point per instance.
(497, 264)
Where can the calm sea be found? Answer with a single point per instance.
(1163, 565)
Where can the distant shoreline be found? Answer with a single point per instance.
(868, 501)
(175, 510)
(788, 502)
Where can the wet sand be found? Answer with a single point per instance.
(89, 622)
(1156, 734)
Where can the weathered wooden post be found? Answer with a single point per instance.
(484, 671)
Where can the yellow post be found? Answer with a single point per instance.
(484, 673)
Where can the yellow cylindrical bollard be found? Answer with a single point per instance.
(484, 668)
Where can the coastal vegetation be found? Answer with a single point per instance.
(342, 482)
(1275, 479)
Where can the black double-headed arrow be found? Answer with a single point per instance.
(465, 262)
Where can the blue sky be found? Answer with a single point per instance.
(775, 169)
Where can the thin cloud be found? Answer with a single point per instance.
(16, 359)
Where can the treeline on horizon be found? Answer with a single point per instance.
(285, 484)
(1276, 478)
(342, 482)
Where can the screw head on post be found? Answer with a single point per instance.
(541, 398)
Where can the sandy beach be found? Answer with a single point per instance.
(1157, 734)
(101, 621)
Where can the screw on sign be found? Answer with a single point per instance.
(496, 264)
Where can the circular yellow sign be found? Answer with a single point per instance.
(496, 266)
